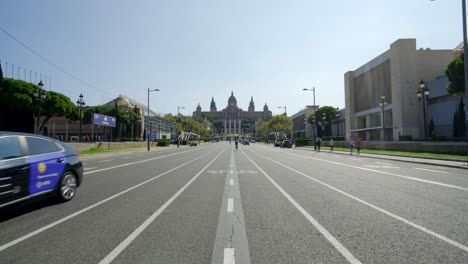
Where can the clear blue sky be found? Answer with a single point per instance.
(193, 50)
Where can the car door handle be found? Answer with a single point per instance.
(22, 169)
(60, 160)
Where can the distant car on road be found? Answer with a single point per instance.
(286, 144)
(277, 143)
(246, 142)
(35, 166)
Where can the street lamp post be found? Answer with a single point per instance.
(178, 114)
(148, 135)
(39, 95)
(314, 127)
(383, 105)
(80, 104)
(423, 93)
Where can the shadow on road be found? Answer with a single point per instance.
(20, 209)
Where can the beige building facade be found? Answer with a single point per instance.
(394, 75)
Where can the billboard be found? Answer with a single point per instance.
(102, 120)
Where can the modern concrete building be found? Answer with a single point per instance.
(441, 107)
(301, 128)
(394, 74)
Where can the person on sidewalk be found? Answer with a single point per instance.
(319, 143)
(358, 145)
(351, 146)
(332, 144)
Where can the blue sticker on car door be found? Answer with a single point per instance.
(45, 171)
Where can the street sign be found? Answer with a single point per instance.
(103, 120)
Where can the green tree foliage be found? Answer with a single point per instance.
(456, 74)
(277, 124)
(57, 104)
(432, 131)
(323, 126)
(459, 125)
(1, 74)
(17, 102)
(170, 118)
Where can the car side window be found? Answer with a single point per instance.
(10, 148)
(39, 146)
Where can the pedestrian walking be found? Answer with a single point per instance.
(332, 144)
(351, 146)
(358, 145)
(319, 143)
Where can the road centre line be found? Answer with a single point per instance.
(381, 172)
(46, 227)
(104, 160)
(229, 256)
(124, 244)
(230, 205)
(231, 231)
(338, 246)
(89, 168)
(135, 162)
(430, 170)
(421, 228)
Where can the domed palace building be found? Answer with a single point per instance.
(232, 120)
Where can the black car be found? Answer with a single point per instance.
(286, 144)
(35, 166)
(277, 143)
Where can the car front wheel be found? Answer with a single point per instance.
(68, 186)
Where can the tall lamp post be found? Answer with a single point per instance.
(39, 95)
(422, 94)
(285, 114)
(178, 113)
(80, 103)
(383, 105)
(314, 127)
(148, 134)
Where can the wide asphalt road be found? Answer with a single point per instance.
(258, 204)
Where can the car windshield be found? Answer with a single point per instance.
(261, 131)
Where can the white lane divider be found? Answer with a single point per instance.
(135, 162)
(124, 244)
(104, 160)
(431, 170)
(89, 168)
(49, 226)
(397, 217)
(377, 171)
(338, 246)
(230, 205)
(229, 256)
(231, 245)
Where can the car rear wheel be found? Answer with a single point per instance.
(68, 186)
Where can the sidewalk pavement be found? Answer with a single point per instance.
(429, 161)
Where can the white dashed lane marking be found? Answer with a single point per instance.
(430, 170)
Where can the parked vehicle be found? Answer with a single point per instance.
(277, 143)
(35, 166)
(286, 144)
